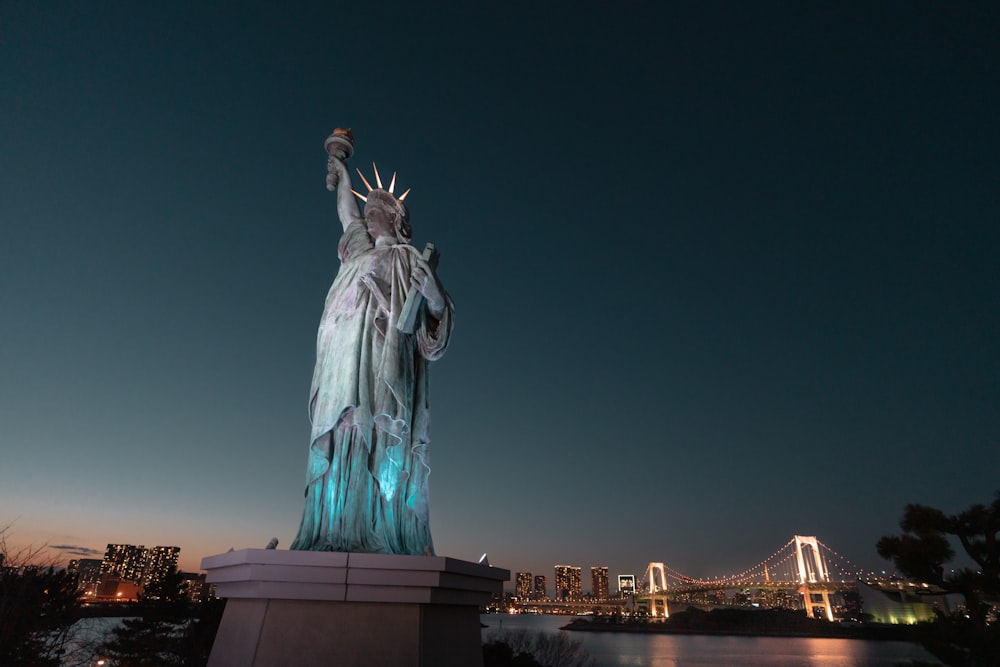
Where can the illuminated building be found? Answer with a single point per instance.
(626, 585)
(906, 604)
(599, 582)
(87, 571)
(540, 587)
(568, 582)
(137, 564)
(124, 561)
(522, 585)
(194, 586)
(158, 562)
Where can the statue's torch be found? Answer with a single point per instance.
(339, 146)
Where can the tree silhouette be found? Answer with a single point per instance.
(924, 547)
(38, 607)
(923, 550)
(520, 648)
(169, 630)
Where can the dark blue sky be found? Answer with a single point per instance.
(724, 272)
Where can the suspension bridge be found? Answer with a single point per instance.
(803, 566)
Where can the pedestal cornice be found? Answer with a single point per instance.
(352, 577)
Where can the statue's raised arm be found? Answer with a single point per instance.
(340, 146)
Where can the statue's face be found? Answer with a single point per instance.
(380, 219)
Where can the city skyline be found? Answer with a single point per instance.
(723, 273)
(135, 563)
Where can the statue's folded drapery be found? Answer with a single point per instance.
(366, 482)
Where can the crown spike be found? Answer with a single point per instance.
(392, 184)
(364, 179)
(359, 195)
(378, 179)
(403, 196)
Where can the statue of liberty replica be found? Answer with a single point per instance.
(386, 318)
(361, 585)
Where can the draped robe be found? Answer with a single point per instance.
(368, 467)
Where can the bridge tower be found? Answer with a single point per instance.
(652, 570)
(658, 607)
(812, 570)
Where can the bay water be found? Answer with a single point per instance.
(623, 649)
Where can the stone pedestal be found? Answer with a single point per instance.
(310, 608)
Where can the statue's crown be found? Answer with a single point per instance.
(378, 181)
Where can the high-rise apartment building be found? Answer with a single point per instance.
(568, 585)
(539, 592)
(194, 586)
(138, 564)
(599, 582)
(159, 561)
(87, 570)
(124, 561)
(522, 585)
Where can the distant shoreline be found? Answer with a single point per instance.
(824, 631)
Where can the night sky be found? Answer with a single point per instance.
(724, 272)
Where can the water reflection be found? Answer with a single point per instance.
(640, 650)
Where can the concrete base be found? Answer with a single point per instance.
(316, 608)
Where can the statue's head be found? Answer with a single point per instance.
(385, 214)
